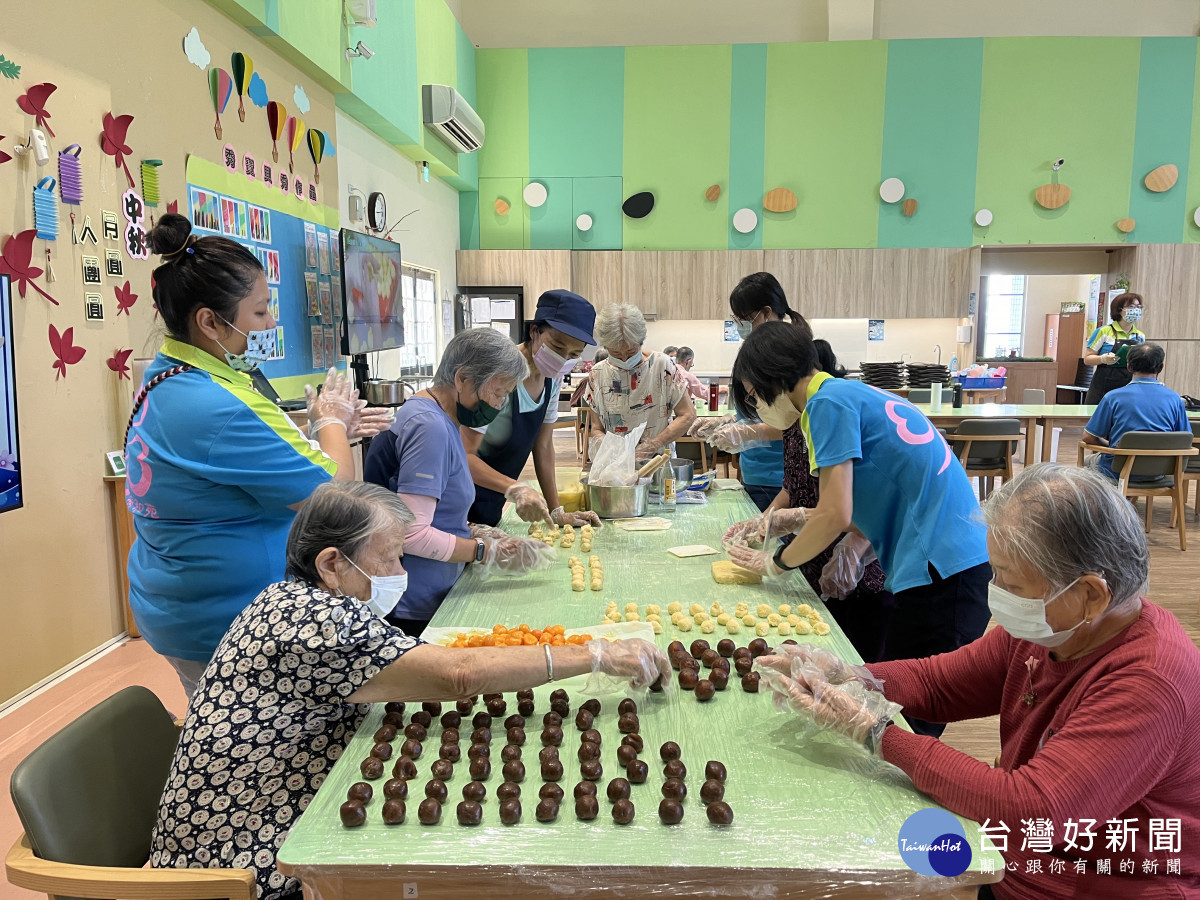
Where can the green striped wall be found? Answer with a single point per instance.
(965, 123)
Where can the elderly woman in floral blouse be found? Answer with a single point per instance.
(634, 386)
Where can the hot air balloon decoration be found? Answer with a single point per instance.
(295, 134)
(316, 149)
(276, 119)
(243, 69)
(220, 86)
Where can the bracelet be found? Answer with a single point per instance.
(549, 664)
(778, 559)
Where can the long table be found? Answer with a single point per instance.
(813, 815)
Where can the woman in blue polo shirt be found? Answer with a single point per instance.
(214, 469)
(1108, 347)
(889, 479)
(496, 453)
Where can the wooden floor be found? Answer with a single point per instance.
(1174, 584)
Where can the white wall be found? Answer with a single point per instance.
(428, 238)
(1045, 294)
(915, 337)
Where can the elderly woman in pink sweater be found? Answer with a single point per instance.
(1097, 689)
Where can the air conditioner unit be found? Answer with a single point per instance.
(360, 13)
(451, 117)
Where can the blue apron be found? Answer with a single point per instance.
(510, 458)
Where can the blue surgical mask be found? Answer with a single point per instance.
(627, 364)
(386, 591)
(743, 328)
(259, 347)
(1025, 617)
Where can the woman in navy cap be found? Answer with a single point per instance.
(561, 328)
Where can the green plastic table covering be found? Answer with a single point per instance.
(815, 809)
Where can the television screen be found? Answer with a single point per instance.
(373, 304)
(10, 465)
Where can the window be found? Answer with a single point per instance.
(1003, 316)
(419, 353)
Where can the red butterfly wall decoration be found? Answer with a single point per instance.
(65, 350)
(112, 140)
(33, 101)
(117, 362)
(125, 299)
(15, 259)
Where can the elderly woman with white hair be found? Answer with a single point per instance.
(1097, 689)
(294, 677)
(634, 386)
(422, 458)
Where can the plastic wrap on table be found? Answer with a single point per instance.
(813, 815)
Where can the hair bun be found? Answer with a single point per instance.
(170, 236)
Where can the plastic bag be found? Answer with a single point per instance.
(614, 463)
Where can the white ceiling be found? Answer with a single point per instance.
(589, 23)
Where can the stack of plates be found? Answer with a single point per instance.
(923, 375)
(889, 375)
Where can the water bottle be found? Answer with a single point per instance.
(714, 393)
(935, 398)
(958, 395)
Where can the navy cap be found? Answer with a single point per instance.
(569, 313)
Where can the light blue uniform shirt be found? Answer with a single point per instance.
(1142, 405)
(212, 469)
(912, 499)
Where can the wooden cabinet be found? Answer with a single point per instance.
(1042, 376)
(809, 279)
(1064, 342)
(641, 280)
(597, 276)
(697, 284)
(1168, 277)
(536, 271)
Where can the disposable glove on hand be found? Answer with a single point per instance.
(706, 425)
(487, 532)
(578, 519)
(647, 450)
(737, 436)
(633, 663)
(748, 531)
(784, 521)
(531, 506)
(334, 405)
(812, 665)
(758, 561)
(370, 421)
(848, 709)
(514, 556)
(845, 569)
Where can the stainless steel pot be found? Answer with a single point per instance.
(618, 502)
(685, 469)
(380, 392)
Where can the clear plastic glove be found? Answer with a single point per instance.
(737, 436)
(748, 531)
(1109, 359)
(784, 521)
(647, 450)
(334, 405)
(706, 425)
(617, 665)
(487, 532)
(531, 506)
(848, 709)
(370, 421)
(578, 519)
(845, 569)
(812, 664)
(758, 561)
(510, 555)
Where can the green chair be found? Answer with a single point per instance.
(985, 449)
(88, 800)
(1191, 468)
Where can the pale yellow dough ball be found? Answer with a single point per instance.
(773, 620)
(695, 608)
(803, 627)
(803, 609)
(630, 616)
(685, 624)
(657, 626)
(763, 610)
(653, 608)
(675, 607)
(708, 626)
(793, 620)
(785, 609)
(785, 628)
(716, 609)
(631, 607)
(700, 618)
(762, 629)
(821, 628)
(723, 618)
(749, 621)
(733, 626)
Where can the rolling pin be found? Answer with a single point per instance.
(653, 465)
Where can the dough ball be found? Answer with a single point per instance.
(573, 561)
(684, 624)
(813, 617)
(821, 628)
(733, 626)
(749, 621)
(631, 607)
(629, 617)
(763, 610)
(803, 627)
(793, 620)
(741, 610)
(785, 628)
(700, 618)
(577, 584)
(773, 620)
(716, 609)
(785, 609)
(675, 607)
(726, 571)
(723, 618)
(654, 617)
(695, 608)
(803, 609)
(762, 629)
(657, 625)
(653, 608)
(708, 626)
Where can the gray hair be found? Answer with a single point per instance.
(344, 515)
(479, 354)
(685, 355)
(620, 324)
(1065, 522)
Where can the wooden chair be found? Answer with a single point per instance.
(1154, 454)
(88, 799)
(703, 451)
(985, 449)
(1191, 469)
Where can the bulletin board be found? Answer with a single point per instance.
(292, 236)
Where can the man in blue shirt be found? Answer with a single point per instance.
(1145, 404)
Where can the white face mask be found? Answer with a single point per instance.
(1025, 617)
(627, 364)
(259, 347)
(780, 413)
(386, 591)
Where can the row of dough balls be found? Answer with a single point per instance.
(595, 567)
(549, 538)
(585, 538)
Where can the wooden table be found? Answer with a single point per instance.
(949, 417)
(813, 815)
